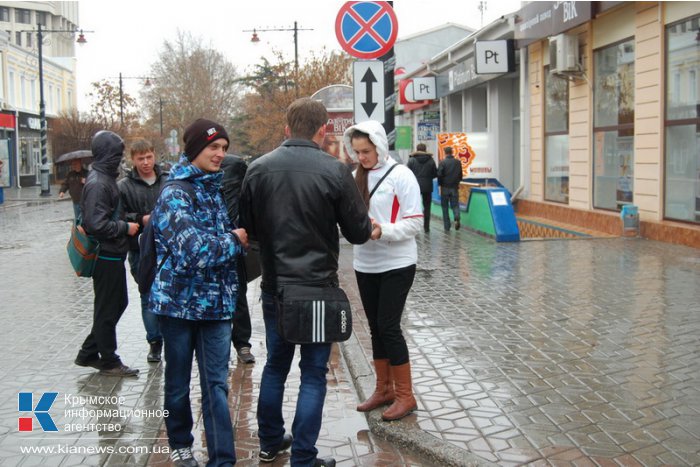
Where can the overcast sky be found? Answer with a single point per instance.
(128, 35)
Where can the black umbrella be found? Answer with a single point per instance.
(69, 156)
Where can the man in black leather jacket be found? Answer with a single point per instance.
(103, 219)
(294, 198)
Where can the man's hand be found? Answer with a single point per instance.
(242, 236)
(133, 228)
(145, 219)
(61, 194)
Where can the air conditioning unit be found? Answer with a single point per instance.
(563, 54)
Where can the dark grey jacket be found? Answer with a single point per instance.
(234, 169)
(139, 198)
(423, 167)
(293, 200)
(449, 172)
(101, 196)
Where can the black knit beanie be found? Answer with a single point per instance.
(200, 134)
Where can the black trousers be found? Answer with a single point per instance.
(242, 329)
(427, 200)
(383, 297)
(111, 299)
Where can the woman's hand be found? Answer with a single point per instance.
(376, 231)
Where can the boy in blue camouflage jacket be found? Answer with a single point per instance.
(194, 293)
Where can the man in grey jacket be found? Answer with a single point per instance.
(103, 219)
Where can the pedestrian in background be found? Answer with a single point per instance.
(386, 265)
(194, 293)
(139, 190)
(234, 170)
(449, 175)
(73, 184)
(103, 219)
(294, 198)
(423, 167)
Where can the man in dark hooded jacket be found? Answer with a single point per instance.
(423, 167)
(103, 219)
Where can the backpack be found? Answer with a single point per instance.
(148, 267)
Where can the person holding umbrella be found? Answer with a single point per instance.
(73, 184)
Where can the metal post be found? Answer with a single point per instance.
(296, 49)
(389, 61)
(45, 185)
(121, 101)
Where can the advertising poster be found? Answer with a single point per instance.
(5, 162)
(428, 126)
(338, 122)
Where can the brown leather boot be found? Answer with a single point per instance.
(405, 403)
(384, 390)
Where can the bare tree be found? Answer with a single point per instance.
(190, 80)
(72, 131)
(275, 85)
(108, 106)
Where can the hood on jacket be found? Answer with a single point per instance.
(108, 150)
(377, 135)
(422, 157)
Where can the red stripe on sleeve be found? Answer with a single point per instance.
(395, 210)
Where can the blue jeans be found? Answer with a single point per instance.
(76, 211)
(210, 341)
(449, 196)
(312, 391)
(150, 320)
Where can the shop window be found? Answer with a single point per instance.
(682, 152)
(613, 126)
(556, 135)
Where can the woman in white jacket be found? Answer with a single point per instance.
(386, 265)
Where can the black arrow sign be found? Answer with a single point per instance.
(369, 80)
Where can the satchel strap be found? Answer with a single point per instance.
(382, 179)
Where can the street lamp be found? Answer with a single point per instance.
(45, 186)
(254, 39)
(147, 82)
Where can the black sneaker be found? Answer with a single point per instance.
(155, 351)
(457, 226)
(93, 362)
(244, 355)
(269, 456)
(119, 370)
(325, 462)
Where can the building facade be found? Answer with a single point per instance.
(20, 124)
(613, 114)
